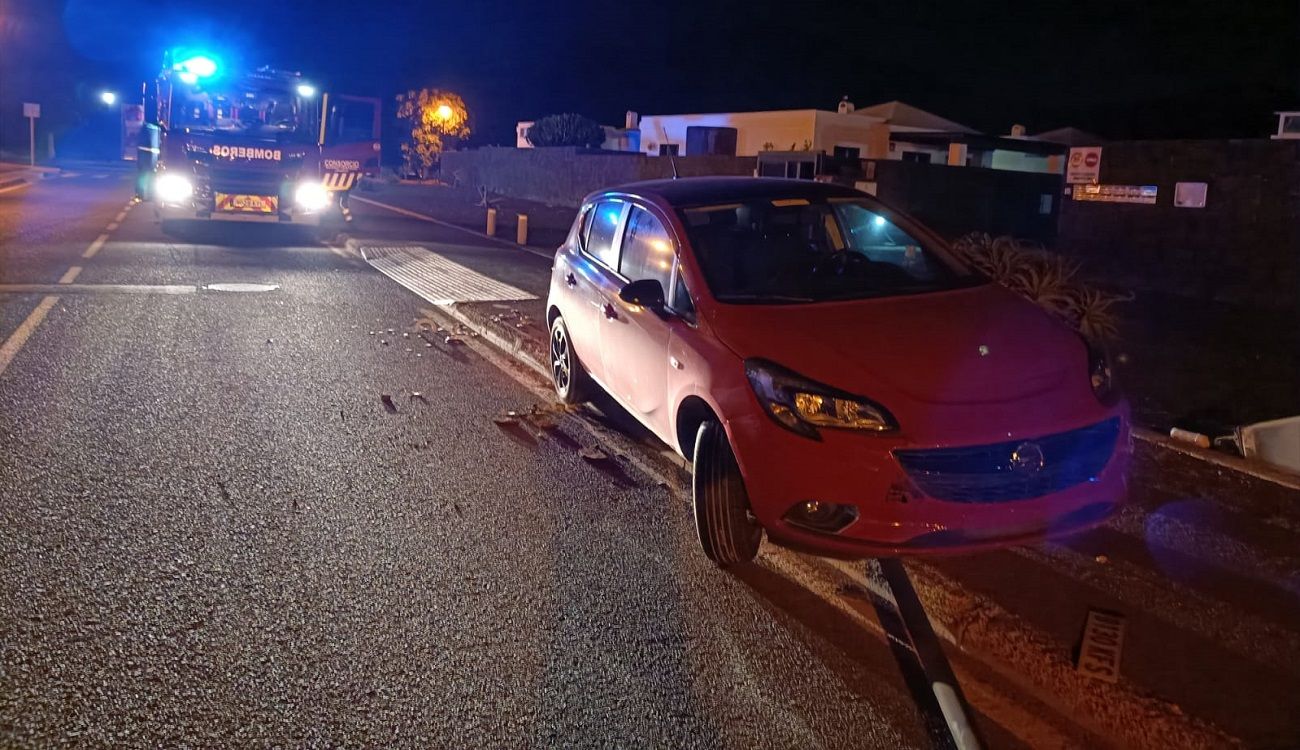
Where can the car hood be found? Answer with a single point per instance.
(965, 349)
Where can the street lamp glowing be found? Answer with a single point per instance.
(306, 90)
(108, 97)
(444, 112)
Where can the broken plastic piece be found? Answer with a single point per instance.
(593, 454)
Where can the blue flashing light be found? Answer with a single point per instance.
(200, 65)
(188, 77)
(879, 221)
(306, 90)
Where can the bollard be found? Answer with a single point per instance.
(521, 234)
(492, 222)
(925, 644)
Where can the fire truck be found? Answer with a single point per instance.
(251, 145)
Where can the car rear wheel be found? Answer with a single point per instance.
(727, 531)
(568, 377)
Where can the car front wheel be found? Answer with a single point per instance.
(567, 375)
(727, 531)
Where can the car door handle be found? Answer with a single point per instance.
(571, 280)
(610, 312)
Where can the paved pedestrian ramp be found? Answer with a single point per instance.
(436, 278)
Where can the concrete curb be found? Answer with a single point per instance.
(535, 250)
(981, 629)
(1256, 470)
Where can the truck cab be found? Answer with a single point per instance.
(262, 145)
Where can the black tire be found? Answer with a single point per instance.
(727, 531)
(567, 374)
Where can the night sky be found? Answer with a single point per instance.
(1120, 69)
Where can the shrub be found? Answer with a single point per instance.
(1048, 280)
(566, 130)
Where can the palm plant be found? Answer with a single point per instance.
(1051, 281)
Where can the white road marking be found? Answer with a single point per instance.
(71, 288)
(24, 331)
(112, 226)
(19, 186)
(437, 279)
(449, 225)
(95, 246)
(71, 275)
(120, 216)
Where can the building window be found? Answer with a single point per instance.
(847, 152)
(920, 157)
(668, 149)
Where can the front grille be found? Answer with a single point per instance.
(986, 474)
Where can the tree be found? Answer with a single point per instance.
(566, 130)
(433, 117)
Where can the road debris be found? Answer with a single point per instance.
(593, 454)
(389, 406)
(417, 396)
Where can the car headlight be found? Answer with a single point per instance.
(801, 405)
(1101, 376)
(311, 196)
(173, 188)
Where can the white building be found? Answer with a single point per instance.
(890, 130)
(864, 133)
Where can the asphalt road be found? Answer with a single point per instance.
(214, 531)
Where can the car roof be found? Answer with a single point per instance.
(696, 191)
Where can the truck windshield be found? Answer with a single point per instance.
(799, 250)
(260, 111)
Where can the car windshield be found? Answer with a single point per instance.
(796, 250)
(252, 110)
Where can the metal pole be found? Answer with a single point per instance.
(31, 142)
(935, 663)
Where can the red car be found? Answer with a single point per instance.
(838, 378)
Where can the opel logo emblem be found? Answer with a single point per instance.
(984, 350)
(1027, 458)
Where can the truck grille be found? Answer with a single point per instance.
(988, 474)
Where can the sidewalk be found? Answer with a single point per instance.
(548, 226)
(1203, 564)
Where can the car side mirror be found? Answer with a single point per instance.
(647, 293)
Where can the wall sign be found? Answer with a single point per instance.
(1084, 166)
(1190, 194)
(1116, 193)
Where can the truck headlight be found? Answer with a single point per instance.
(173, 188)
(801, 405)
(311, 196)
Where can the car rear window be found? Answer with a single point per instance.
(601, 230)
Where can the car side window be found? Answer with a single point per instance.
(601, 230)
(647, 250)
